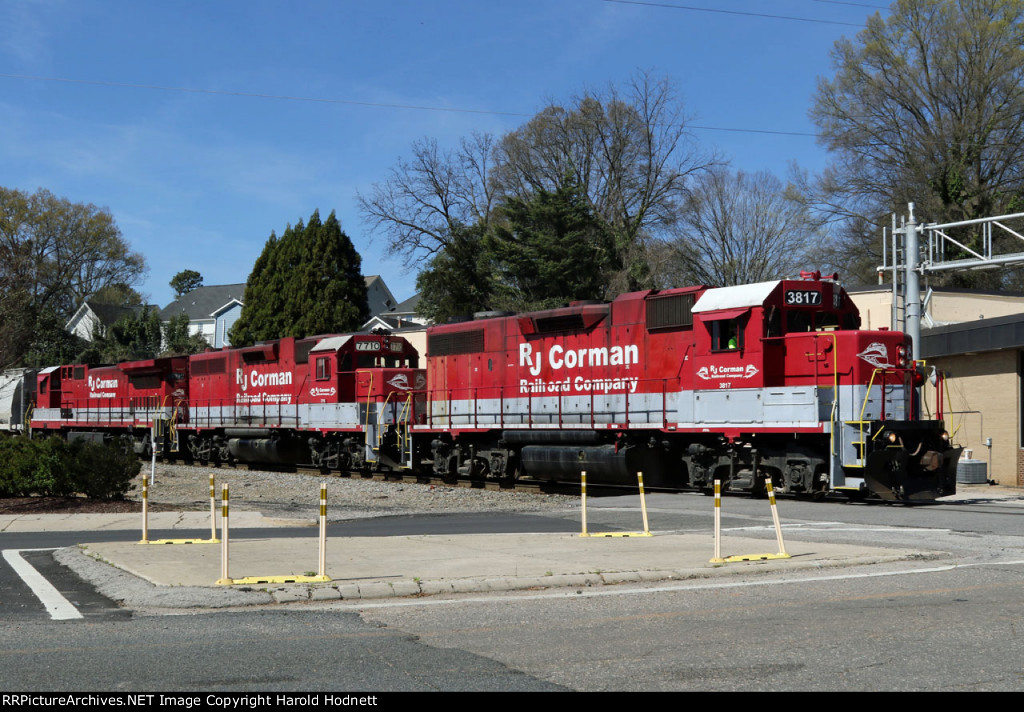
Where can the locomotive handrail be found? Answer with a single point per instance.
(472, 406)
(833, 413)
(380, 417)
(369, 391)
(404, 436)
(861, 460)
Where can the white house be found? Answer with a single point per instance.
(211, 311)
(84, 322)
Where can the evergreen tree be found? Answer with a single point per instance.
(306, 282)
(551, 249)
(185, 281)
(178, 341)
(458, 280)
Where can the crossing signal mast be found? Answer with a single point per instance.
(930, 248)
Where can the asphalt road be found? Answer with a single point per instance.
(948, 621)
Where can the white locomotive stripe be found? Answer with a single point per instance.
(56, 605)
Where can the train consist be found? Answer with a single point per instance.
(688, 386)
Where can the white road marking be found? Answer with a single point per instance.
(56, 605)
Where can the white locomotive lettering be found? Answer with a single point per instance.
(259, 380)
(558, 357)
(102, 383)
(710, 372)
(579, 385)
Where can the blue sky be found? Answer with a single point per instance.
(203, 125)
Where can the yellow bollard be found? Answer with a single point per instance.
(224, 578)
(583, 500)
(145, 509)
(775, 518)
(145, 521)
(750, 557)
(643, 508)
(643, 501)
(718, 523)
(323, 531)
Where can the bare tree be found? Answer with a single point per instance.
(737, 228)
(428, 197)
(926, 105)
(630, 152)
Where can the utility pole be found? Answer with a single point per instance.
(913, 282)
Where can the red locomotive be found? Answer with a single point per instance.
(90, 402)
(334, 401)
(686, 385)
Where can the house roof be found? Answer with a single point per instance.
(393, 324)
(408, 306)
(106, 313)
(110, 313)
(201, 303)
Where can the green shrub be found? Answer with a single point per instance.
(53, 467)
(18, 463)
(104, 471)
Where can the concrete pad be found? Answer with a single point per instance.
(418, 565)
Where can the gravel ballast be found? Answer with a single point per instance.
(297, 496)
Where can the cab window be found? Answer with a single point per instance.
(323, 368)
(726, 335)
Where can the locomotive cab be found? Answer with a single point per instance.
(374, 377)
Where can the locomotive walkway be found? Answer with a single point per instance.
(361, 568)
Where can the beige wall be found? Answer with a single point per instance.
(944, 308)
(875, 308)
(418, 338)
(982, 401)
